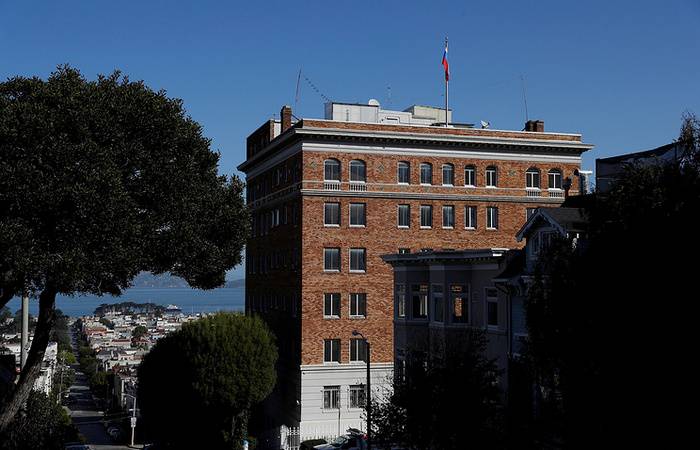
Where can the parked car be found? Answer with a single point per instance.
(76, 446)
(353, 440)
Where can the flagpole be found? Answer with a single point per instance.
(447, 92)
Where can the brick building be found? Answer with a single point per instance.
(329, 197)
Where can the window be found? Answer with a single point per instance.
(404, 173)
(426, 216)
(331, 305)
(358, 350)
(419, 300)
(529, 212)
(358, 305)
(331, 350)
(404, 220)
(532, 178)
(555, 179)
(460, 303)
(331, 397)
(448, 216)
(492, 218)
(331, 259)
(469, 176)
(357, 396)
(358, 172)
(331, 170)
(470, 217)
(404, 251)
(448, 175)
(438, 305)
(331, 214)
(426, 173)
(491, 177)
(401, 300)
(492, 307)
(357, 260)
(357, 215)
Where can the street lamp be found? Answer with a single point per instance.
(368, 400)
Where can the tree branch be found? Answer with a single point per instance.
(15, 398)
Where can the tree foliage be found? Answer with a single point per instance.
(42, 424)
(449, 403)
(206, 377)
(100, 180)
(606, 320)
(138, 332)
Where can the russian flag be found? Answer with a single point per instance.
(445, 64)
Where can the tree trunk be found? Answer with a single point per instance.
(14, 399)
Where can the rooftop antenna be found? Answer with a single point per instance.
(522, 81)
(298, 90)
(313, 86)
(388, 97)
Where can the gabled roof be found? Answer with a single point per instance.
(565, 220)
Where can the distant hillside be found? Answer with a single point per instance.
(166, 281)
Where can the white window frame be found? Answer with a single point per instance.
(354, 391)
(331, 390)
(495, 177)
(447, 208)
(452, 170)
(364, 165)
(357, 351)
(421, 174)
(364, 251)
(340, 169)
(490, 217)
(331, 316)
(398, 216)
(364, 216)
(555, 173)
(324, 260)
(331, 225)
(467, 217)
(398, 172)
(331, 351)
(355, 300)
(472, 170)
(425, 227)
(400, 298)
(530, 175)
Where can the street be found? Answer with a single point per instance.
(85, 414)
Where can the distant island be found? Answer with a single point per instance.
(146, 280)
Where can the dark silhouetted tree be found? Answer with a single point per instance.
(100, 180)
(609, 331)
(197, 385)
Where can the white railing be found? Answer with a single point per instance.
(530, 192)
(331, 185)
(292, 437)
(358, 187)
(556, 194)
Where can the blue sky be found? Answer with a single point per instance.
(620, 73)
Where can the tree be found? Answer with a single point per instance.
(206, 377)
(138, 332)
(43, 423)
(449, 403)
(607, 329)
(100, 180)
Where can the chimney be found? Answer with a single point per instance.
(535, 126)
(286, 117)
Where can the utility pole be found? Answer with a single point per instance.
(25, 329)
(60, 385)
(133, 419)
